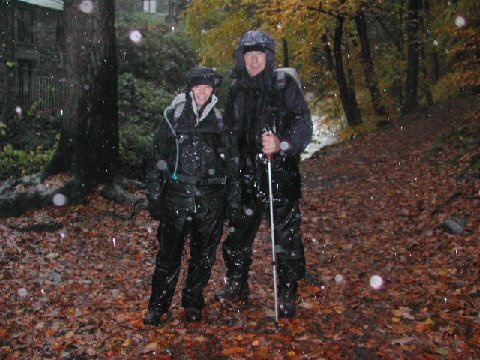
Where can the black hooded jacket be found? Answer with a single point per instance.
(262, 104)
(270, 101)
(195, 160)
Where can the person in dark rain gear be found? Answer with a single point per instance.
(194, 161)
(273, 118)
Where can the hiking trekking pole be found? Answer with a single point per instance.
(272, 232)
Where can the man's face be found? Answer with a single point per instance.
(202, 93)
(255, 62)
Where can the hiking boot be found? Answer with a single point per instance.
(286, 300)
(193, 315)
(153, 317)
(234, 290)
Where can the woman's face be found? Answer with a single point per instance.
(202, 93)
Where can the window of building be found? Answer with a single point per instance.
(150, 6)
(161, 7)
(24, 81)
(25, 22)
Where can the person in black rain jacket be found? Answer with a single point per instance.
(194, 164)
(273, 118)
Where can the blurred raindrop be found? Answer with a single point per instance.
(22, 292)
(284, 145)
(460, 21)
(59, 199)
(249, 212)
(86, 6)
(162, 165)
(376, 281)
(136, 36)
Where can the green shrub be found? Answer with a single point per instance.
(136, 143)
(159, 54)
(16, 163)
(140, 102)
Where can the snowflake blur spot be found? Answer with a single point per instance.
(59, 199)
(86, 87)
(18, 110)
(339, 278)
(249, 212)
(22, 292)
(211, 171)
(86, 6)
(149, 230)
(162, 165)
(135, 36)
(460, 21)
(284, 145)
(376, 282)
(62, 235)
(231, 229)
(189, 218)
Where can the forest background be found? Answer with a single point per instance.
(362, 64)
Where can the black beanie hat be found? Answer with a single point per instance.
(202, 75)
(253, 47)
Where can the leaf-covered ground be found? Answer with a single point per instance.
(386, 278)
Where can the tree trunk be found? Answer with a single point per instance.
(89, 138)
(347, 96)
(286, 60)
(328, 53)
(413, 26)
(422, 58)
(367, 63)
(7, 54)
(434, 73)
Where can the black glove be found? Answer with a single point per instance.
(155, 209)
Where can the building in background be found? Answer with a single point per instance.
(32, 54)
(169, 9)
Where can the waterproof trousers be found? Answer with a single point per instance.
(237, 248)
(205, 228)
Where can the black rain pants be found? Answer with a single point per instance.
(205, 227)
(237, 248)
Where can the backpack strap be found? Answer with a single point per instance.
(218, 115)
(281, 77)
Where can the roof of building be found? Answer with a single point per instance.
(51, 4)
